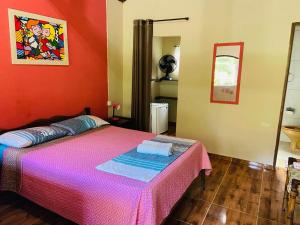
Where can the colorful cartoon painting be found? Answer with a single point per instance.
(37, 39)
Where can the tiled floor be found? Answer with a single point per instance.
(237, 193)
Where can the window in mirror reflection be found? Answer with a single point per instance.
(226, 72)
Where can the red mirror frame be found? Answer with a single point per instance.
(236, 101)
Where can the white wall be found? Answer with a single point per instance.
(248, 130)
(157, 53)
(169, 48)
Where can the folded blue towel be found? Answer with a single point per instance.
(155, 148)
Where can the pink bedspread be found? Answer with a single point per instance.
(62, 177)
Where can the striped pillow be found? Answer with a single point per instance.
(97, 121)
(80, 124)
(31, 136)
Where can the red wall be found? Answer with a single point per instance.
(30, 92)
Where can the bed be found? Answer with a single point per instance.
(60, 175)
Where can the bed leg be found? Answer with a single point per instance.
(202, 179)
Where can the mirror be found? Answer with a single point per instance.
(226, 72)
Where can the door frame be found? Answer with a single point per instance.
(291, 42)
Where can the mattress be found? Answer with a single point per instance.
(62, 177)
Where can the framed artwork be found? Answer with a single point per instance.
(37, 40)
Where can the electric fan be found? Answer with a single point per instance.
(167, 64)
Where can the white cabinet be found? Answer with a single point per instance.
(159, 118)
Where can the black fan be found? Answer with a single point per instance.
(167, 65)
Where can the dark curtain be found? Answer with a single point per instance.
(141, 73)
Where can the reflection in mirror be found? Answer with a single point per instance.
(226, 72)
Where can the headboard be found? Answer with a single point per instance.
(48, 121)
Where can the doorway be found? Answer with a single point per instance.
(288, 142)
(164, 84)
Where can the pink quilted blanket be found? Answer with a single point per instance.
(62, 177)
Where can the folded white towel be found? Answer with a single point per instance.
(156, 148)
(157, 144)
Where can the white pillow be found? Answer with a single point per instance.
(14, 140)
(99, 122)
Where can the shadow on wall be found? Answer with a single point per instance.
(74, 12)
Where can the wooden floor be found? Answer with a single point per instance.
(237, 193)
(171, 129)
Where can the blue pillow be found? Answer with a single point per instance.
(80, 124)
(31, 136)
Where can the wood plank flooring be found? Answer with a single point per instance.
(238, 192)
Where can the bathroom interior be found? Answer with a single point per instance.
(289, 142)
(164, 84)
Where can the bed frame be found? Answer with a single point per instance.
(48, 121)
